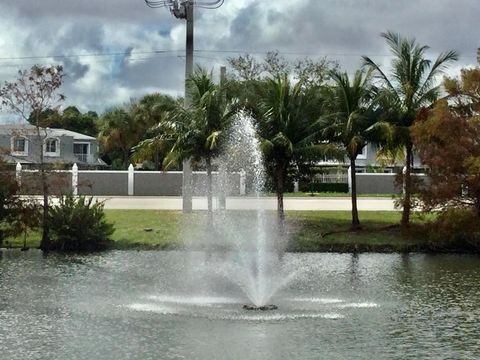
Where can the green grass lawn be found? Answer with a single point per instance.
(307, 230)
(329, 195)
(144, 228)
(329, 231)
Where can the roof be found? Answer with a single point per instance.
(71, 159)
(27, 129)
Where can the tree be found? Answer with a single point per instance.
(118, 134)
(9, 201)
(272, 88)
(123, 129)
(198, 131)
(30, 96)
(247, 71)
(151, 111)
(410, 87)
(74, 120)
(287, 114)
(447, 139)
(49, 117)
(247, 68)
(70, 119)
(178, 132)
(464, 93)
(448, 145)
(351, 121)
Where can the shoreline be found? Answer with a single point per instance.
(324, 248)
(306, 232)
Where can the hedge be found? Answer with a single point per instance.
(324, 187)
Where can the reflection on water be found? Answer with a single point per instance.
(139, 305)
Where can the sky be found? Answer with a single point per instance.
(116, 50)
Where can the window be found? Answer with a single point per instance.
(80, 148)
(81, 151)
(51, 147)
(19, 146)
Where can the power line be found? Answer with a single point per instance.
(327, 54)
(8, 65)
(129, 55)
(125, 53)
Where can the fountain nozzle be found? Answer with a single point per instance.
(260, 308)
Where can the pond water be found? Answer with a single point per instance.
(144, 305)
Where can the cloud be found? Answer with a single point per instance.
(116, 49)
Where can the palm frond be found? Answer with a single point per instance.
(367, 62)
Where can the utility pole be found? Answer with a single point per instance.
(222, 197)
(187, 179)
(183, 9)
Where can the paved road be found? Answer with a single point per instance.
(245, 203)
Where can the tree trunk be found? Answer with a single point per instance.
(126, 154)
(353, 178)
(45, 242)
(280, 188)
(477, 203)
(157, 161)
(407, 185)
(208, 162)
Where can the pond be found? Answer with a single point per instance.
(145, 305)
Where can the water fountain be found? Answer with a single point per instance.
(237, 262)
(252, 245)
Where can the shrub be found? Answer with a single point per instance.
(324, 187)
(455, 229)
(10, 203)
(78, 224)
(28, 214)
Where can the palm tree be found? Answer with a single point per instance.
(150, 109)
(410, 87)
(123, 128)
(286, 116)
(197, 131)
(351, 121)
(119, 133)
(149, 112)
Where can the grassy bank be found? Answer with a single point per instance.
(330, 231)
(330, 195)
(307, 230)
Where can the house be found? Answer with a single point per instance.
(21, 144)
(368, 160)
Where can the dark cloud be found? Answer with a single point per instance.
(74, 69)
(339, 29)
(85, 35)
(245, 29)
(165, 72)
(111, 10)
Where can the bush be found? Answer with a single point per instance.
(455, 229)
(10, 203)
(324, 187)
(78, 224)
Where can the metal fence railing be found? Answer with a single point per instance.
(331, 178)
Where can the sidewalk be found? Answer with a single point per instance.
(247, 203)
